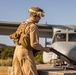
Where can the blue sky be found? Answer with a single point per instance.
(60, 12)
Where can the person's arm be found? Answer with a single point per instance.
(34, 39)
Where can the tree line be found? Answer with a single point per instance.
(6, 53)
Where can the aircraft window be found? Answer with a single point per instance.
(61, 37)
(72, 37)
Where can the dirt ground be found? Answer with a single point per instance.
(43, 69)
(3, 70)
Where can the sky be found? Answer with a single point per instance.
(57, 12)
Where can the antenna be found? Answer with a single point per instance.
(46, 23)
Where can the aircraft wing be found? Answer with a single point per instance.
(6, 28)
(45, 30)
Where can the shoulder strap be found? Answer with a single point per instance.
(27, 24)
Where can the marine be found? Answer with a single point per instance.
(23, 59)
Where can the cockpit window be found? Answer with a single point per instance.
(72, 37)
(60, 37)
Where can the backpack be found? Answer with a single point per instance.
(19, 37)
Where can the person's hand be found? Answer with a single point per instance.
(47, 50)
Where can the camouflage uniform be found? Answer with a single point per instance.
(23, 61)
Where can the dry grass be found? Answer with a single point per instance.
(6, 62)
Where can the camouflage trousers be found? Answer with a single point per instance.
(23, 62)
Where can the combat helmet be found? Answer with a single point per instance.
(36, 11)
